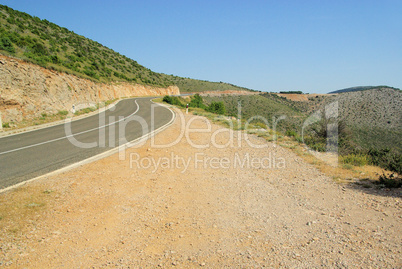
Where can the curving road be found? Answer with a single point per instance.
(32, 154)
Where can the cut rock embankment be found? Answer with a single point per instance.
(28, 90)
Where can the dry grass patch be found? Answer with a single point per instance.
(21, 208)
(342, 173)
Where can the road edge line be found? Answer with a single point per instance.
(99, 156)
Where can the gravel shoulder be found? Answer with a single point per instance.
(211, 199)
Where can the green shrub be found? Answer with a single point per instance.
(318, 146)
(197, 101)
(55, 59)
(39, 49)
(386, 159)
(217, 107)
(315, 143)
(356, 159)
(6, 44)
(291, 133)
(167, 99)
(173, 100)
(6, 125)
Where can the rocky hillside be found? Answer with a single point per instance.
(370, 119)
(380, 107)
(57, 48)
(374, 117)
(361, 88)
(28, 90)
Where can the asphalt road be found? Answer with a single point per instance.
(28, 155)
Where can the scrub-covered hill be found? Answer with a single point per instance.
(55, 47)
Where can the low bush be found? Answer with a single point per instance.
(386, 159)
(217, 107)
(291, 133)
(173, 100)
(197, 101)
(391, 181)
(356, 159)
(315, 143)
(6, 44)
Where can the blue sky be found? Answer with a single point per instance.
(312, 46)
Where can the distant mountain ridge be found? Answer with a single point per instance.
(362, 88)
(46, 44)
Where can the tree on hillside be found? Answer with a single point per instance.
(196, 101)
(5, 44)
(217, 107)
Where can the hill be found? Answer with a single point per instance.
(361, 88)
(54, 47)
(28, 91)
(195, 85)
(267, 106)
(371, 119)
(373, 116)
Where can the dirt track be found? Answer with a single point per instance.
(225, 210)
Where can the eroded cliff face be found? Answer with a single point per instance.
(28, 90)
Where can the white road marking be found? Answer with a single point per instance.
(99, 156)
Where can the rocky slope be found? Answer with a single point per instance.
(379, 107)
(27, 90)
(373, 117)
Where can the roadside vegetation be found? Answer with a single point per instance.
(382, 166)
(43, 119)
(196, 102)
